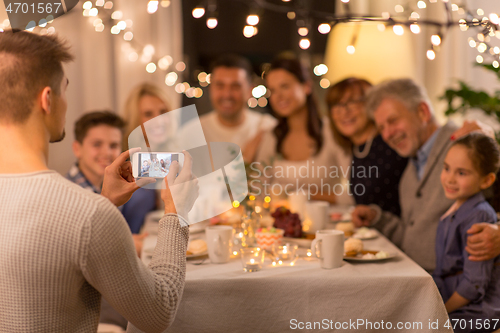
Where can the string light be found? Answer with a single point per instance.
(350, 49)
(431, 55)
(198, 12)
(180, 66)
(249, 31)
(303, 31)
(152, 6)
(253, 19)
(435, 40)
(212, 22)
(415, 28)
(421, 4)
(320, 69)
(398, 29)
(151, 67)
(324, 83)
(324, 28)
(304, 43)
(128, 36)
(87, 5)
(252, 102)
(259, 91)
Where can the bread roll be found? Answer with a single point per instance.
(197, 246)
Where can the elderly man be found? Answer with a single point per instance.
(405, 119)
(62, 246)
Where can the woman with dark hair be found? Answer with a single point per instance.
(302, 140)
(357, 134)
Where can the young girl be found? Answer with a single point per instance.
(470, 289)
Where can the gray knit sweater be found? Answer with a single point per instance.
(61, 247)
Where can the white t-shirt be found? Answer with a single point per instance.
(211, 130)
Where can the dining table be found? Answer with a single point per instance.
(395, 294)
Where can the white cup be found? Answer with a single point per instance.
(330, 245)
(297, 202)
(316, 216)
(219, 239)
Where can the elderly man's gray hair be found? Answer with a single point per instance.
(405, 91)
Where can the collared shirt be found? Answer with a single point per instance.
(423, 154)
(76, 176)
(454, 271)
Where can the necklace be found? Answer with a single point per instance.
(366, 150)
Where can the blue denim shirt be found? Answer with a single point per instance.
(423, 154)
(454, 271)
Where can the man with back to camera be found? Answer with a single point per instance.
(231, 120)
(406, 121)
(62, 246)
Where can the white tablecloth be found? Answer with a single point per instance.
(223, 298)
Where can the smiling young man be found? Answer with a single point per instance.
(62, 247)
(98, 137)
(405, 119)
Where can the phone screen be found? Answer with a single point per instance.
(155, 165)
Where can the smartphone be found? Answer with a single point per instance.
(155, 164)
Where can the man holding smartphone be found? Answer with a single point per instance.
(62, 246)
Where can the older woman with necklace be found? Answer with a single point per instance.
(376, 168)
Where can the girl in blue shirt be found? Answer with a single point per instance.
(470, 289)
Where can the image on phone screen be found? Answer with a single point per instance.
(155, 165)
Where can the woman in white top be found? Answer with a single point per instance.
(299, 153)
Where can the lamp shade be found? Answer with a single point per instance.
(378, 55)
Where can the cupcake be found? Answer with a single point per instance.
(267, 237)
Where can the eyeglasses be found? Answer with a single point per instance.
(349, 105)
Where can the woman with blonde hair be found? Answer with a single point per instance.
(145, 102)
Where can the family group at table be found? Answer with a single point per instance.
(67, 242)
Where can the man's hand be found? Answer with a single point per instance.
(363, 216)
(483, 242)
(119, 183)
(182, 191)
(470, 126)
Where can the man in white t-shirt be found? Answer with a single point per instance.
(231, 120)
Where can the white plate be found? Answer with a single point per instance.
(301, 242)
(193, 256)
(359, 259)
(366, 236)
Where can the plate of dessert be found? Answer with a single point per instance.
(353, 251)
(196, 248)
